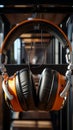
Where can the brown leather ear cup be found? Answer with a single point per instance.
(14, 103)
(46, 84)
(59, 101)
(25, 89)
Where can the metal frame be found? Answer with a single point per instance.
(28, 2)
(37, 9)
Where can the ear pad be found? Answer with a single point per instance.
(45, 88)
(25, 89)
(49, 89)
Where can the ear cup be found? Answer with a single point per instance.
(59, 101)
(50, 86)
(14, 102)
(45, 89)
(25, 89)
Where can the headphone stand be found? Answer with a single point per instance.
(36, 69)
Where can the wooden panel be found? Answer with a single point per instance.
(15, 18)
(35, 115)
(31, 125)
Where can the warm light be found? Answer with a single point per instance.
(28, 35)
(35, 40)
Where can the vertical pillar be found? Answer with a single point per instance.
(6, 111)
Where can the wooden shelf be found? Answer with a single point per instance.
(23, 124)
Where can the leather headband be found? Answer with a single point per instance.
(27, 26)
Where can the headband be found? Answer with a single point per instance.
(28, 26)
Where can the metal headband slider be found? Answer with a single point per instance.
(3, 61)
(71, 57)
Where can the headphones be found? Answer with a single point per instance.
(19, 89)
